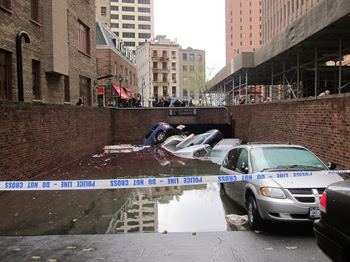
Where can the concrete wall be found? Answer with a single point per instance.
(322, 125)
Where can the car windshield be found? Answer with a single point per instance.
(283, 158)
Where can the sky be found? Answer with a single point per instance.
(199, 24)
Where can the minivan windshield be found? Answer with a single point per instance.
(283, 158)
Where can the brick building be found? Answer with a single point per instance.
(116, 69)
(59, 63)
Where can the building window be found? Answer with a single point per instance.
(5, 70)
(85, 90)
(165, 65)
(155, 53)
(173, 66)
(144, 27)
(155, 77)
(103, 11)
(144, 10)
(36, 79)
(164, 54)
(66, 89)
(173, 77)
(128, 35)
(128, 1)
(132, 26)
(114, 25)
(144, 36)
(126, 43)
(5, 3)
(173, 91)
(165, 90)
(114, 8)
(191, 57)
(128, 17)
(128, 9)
(34, 5)
(155, 91)
(200, 58)
(116, 17)
(173, 54)
(155, 65)
(185, 93)
(144, 18)
(165, 77)
(184, 68)
(144, 2)
(184, 56)
(84, 38)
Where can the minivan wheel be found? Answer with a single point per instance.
(254, 219)
(160, 136)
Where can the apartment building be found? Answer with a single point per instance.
(242, 26)
(116, 69)
(192, 73)
(131, 20)
(159, 72)
(57, 40)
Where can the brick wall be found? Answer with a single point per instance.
(322, 125)
(37, 138)
(132, 124)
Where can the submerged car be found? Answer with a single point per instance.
(195, 151)
(332, 231)
(220, 150)
(210, 137)
(158, 134)
(171, 142)
(276, 199)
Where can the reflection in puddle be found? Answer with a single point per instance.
(174, 209)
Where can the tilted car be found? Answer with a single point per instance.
(276, 199)
(158, 134)
(332, 231)
(210, 137)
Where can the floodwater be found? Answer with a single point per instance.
(199, 208)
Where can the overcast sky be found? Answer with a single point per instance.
(199, 24)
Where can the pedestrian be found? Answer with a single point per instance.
(138, 103)
(80, 102)
(200, 102)
(241, 100)
(166, 102)
(159, 103)
(177, 103)
(190, 103)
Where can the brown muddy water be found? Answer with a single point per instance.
(198, 208)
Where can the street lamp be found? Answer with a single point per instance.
(143, 85)
(120, 78)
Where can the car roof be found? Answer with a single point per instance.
(270, 145)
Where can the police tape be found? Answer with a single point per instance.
(152, 182)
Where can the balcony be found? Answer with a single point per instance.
(164, 58)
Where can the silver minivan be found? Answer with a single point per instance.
(276, 199)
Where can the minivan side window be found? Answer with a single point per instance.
(231, 158)
(242, 161)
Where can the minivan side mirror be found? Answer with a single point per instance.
(331, 165)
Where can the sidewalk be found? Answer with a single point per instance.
(219, 246)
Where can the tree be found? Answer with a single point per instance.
(197, 80)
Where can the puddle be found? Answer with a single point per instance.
(199, 208)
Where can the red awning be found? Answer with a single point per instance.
(121, 92)
(100, 90)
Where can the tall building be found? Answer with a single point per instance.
(243, 26)
(157, 64)
(277, 15)
(131, 20)
(58, 51)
